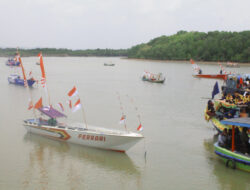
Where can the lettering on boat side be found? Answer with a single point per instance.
(92, 137)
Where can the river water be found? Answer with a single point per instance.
(178, 143)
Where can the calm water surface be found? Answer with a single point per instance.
(179, 142)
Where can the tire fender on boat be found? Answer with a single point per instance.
(233, 163)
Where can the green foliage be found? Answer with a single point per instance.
(211, 46)
(8, 52)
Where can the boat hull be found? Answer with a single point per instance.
(233, 159)
(91, 137)
(154, 81)
(20, 82)
(208, 76)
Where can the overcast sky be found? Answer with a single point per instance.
(89, 24)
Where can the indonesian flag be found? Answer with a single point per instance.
(139, 128)
(122, 120)
(30, 105)
(77, 106)
(39, 104)
(60, 106)
(72, 92)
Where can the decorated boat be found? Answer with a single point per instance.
(79, 133)
(12, 62)
(199, 74)
(230, 64)
(17, 80)
(232, 157)
(155, 78)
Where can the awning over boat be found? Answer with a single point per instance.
(51, 112)
(241, 121)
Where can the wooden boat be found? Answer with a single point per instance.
(211, 76)
(199, 74)
(82, 134)
(231, 157)
(17, 80)
(230, 64)
(155, 78)
(109, 64)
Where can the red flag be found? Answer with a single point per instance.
(30, 105)
(61, 106)
(139, 128)
(72, 92)
(42, 66)
(77, 105)
(39, 104)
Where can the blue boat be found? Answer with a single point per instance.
(12, 62)
(17, 80)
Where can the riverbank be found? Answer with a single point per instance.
(187, 61)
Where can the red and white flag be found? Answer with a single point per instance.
(30, 105)
(122, 120)
(43, 82)
(77, 106)
(139, 128)
(60, 106)
(72, 92)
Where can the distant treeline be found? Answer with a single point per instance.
(10, 52)
(211, 46)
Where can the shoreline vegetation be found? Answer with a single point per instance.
(203, 47)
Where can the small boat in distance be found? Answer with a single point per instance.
(199, 74)
(109, 64)
(155, 78)
(37, 63)
(230, 64)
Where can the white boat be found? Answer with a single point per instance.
(96, 137)
(83, 134)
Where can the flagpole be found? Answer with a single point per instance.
(83, 112)
(118, 95)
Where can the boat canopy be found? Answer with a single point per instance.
(51, 112)
(241, 121)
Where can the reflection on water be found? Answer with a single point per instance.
(227, 178)
(47, 154)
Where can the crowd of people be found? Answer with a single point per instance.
(241, 140)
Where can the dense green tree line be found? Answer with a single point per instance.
(211, 46)
(8, 52)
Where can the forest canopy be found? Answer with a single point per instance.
(211, 46)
